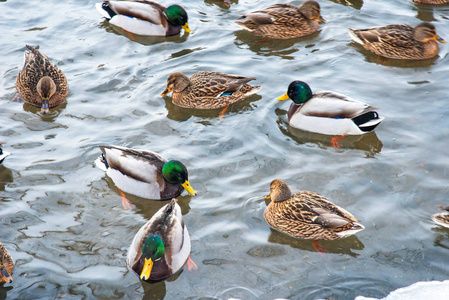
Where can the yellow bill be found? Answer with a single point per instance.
(282, 98)
(146, 271)
(186, 27)
(186, 185)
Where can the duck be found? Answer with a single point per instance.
(3, 153)
(161, 247)
(40, 82)
(442, 218)
(144, 173)
(283, 20)
(431, 2)
(307, 215)
(208, 89)
(328, 112)
(146, 17)
(6, 265)
(400, 41)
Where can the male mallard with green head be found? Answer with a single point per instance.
(328, 112)
(162, 246)
(41, 82)
(6, 265)
(442, 218)
(144, 173)
(283, 20)
(144, 17)
(307, 215)
(400, 41)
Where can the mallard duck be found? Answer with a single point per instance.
(442, 218)
(6, 265)
(431, 2)
(143, 173)
(400, 41)
(307, 215)
(41, 82)
(144, 17)
(283, 20)
(3, 153)
(208, 90)
(162, 246)
(328, 112)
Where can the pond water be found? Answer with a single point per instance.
(62, 218)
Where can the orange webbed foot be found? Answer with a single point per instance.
(223, 112)
(190, 264)
(125, 202)
(334, 141)
(318, 248)
(133, 38)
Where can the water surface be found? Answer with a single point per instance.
(62, 217)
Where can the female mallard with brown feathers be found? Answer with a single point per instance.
(307, 215)
(162, 246)
(431, 2)
(400, 41)
(283, 20)
(143, 173)
(41, 82)
(442, 218)
(6, 265)
(208, 90)
(144, 17)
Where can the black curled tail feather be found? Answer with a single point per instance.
(365, 118)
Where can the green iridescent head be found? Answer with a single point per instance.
(177, 16)
(298, 91)
(175, 172)
(152, 250)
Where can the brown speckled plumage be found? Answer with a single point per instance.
(205, 89)
(400, 41)
(442, 218)
(37, 66)
(283, 21)
(307, 215)
(6, 265)
(431, 2)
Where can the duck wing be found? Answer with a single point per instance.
(137, 164)
(216, 84)
(145, 10)
(334, 105)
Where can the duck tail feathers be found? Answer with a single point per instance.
(368, 121)
(101, 163)
(105, 10)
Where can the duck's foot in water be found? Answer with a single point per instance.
(125, 202)
(223, 112)
(133, 38)
(318, 248)
(191, 265)
(334, 141)
(17, 98)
